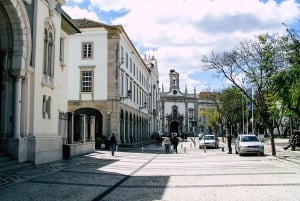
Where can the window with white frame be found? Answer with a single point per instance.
(131, 87)
(133, 69)
(122, 52)
(87, 50)
(48, 53)
(122, 84)
(130, 64)
(138, 95)
(126, 60)
(62, 50)
(86, 77)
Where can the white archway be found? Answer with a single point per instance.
(19, 22)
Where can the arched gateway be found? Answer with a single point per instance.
(89, 112)
(15, 53)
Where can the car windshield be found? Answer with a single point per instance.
(249, 139)
(209, 137)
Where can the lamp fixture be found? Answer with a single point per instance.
(153, 112)
(128, 95)
(122, 61)
(145, 105)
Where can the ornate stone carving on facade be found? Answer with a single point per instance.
(51, 7)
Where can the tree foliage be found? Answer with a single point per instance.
(285, 84)
(270, 65)
(250, 66)
(233, 107)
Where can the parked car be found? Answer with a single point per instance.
(209, 141)
(248, 144)
(200, 135)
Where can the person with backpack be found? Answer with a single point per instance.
(112, 142)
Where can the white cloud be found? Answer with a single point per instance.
(182, 31)
(75, 12)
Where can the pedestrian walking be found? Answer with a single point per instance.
(229, 141)
(112, 142)
(295, 140)
(167, 143)
(175, 143)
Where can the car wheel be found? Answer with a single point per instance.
(262, 153)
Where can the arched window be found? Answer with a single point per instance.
(48, 68)
(174, 81)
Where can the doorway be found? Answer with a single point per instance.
(174, 127)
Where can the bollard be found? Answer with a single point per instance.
(184, 150)
(204, 149)
(142, 149)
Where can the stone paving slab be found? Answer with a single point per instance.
(148, 174)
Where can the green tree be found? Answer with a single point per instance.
(250, 66)
(211, 114)
(233, 108)
(285, 85)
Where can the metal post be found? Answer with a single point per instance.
(194, 133)
(204, 147)
(252, 110)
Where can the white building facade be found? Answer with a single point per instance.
(111, 83)
(33, 42)
(179, 110)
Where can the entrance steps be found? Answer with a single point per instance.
(8, 163)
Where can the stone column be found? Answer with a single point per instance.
(71, 127)
(82, 127)
(123, 126)
(17, 107)
(92, 128)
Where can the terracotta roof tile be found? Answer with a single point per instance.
(86, 23)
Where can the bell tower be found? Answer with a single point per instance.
(174, 80)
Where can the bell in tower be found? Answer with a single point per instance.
(174, 80)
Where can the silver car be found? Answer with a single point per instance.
(248, 144)
(209, 141)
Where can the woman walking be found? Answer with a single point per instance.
(167, 143)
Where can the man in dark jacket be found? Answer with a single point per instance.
(175, 143)
(229, 141)
(112, 142)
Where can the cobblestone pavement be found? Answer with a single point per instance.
(149, 174)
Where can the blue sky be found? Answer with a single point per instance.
(179, 32)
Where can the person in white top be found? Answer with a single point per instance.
(167, 143)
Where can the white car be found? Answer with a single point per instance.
(248, 144)
(209, 141)
(200, 135)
